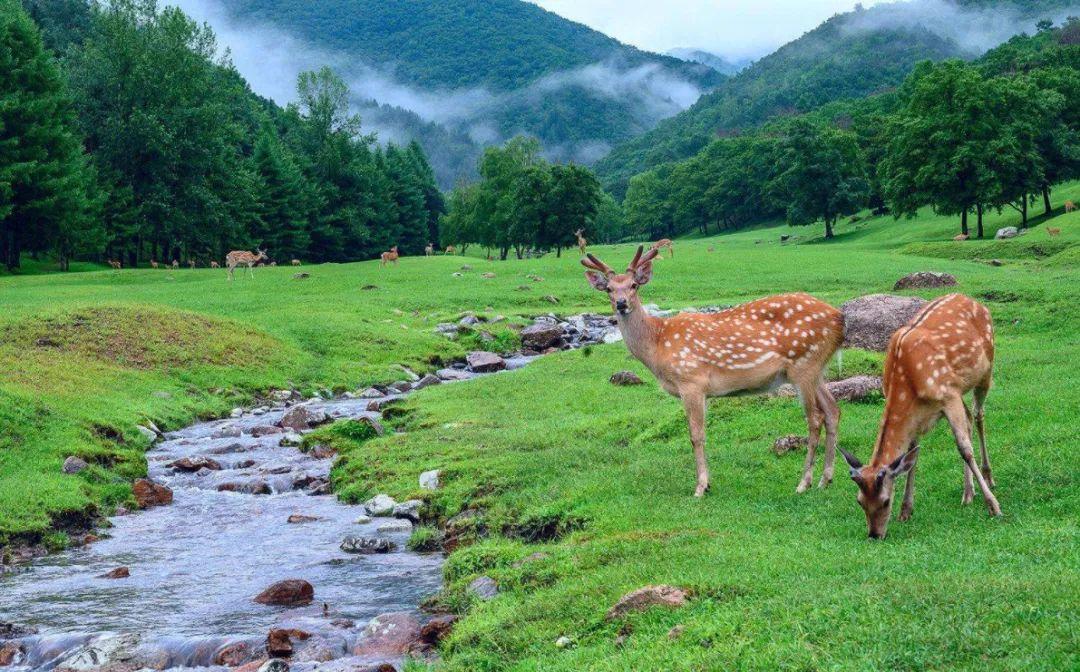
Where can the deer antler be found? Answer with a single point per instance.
(641, 259)
(596, 265)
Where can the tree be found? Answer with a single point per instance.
(46, 183)
(823, 175)
(285, 205)
(573, 203)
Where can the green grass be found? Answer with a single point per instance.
(599, 477)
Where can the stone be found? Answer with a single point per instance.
(74, 465)
(227, 432)
(786, 444)
(233, 654)
(193, 464)
(485, 362)
(236, 412)
(287, 593)
(366, 545)
(644, 598)
(532, 557)
(148, 434)
(409, 510)
(487, 276)
(435, 630)
(870, 321)
(676, 632)
(279, 641)
(11, 653)
(322, 451)
(854, 388)
(542, 335)
(452, 374)
(996, 262)
(564, 642)
(470, 321)
(302, 417)
(149, 494)
(1006, 233)
(380, 505)
(427, 381)
(550, 299)
(274, 664)
(388, 635)
(429, 480)
(626, 378)
(105, 652)
(925, 280)
(483, 587)
(372, 393)
(291, 440)
(265, 430)
(118, 573)
(401, 386)
(297, 518)
(395, 526)
(362, 520)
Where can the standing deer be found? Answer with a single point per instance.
(1053, 231)
(661, 244)
(238, 257)
(429, 251)
(175, 264)
(191, 264)
(153, 264)
(1069, 206)
(944, 351)
(390, 257)
(214, 264)
(115, 263)
(750, 347)
(295, 262)
(582, 244)
(450, 250)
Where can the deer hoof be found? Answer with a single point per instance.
(905, 514)
(803, 486)
(824, 482)
(701, 490)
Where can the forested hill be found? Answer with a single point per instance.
(497, 44)
(848, 56)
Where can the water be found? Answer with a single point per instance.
(196, 564)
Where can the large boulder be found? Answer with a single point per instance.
(288, 593)
(409, 510)
(869, 321)
(1007, 232)
(149, 494)
(380, 505)
(649, 596)
(541, 336)
(302, 417)
(925, 280)
(485, 362)
(429, 480)
(389, 635)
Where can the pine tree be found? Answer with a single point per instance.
(284, 205)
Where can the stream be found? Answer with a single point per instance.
(196, 565)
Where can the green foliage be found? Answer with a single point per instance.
(424, 539)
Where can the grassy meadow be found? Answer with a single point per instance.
(598, 478)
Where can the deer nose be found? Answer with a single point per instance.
(876, 535)
(620, 305)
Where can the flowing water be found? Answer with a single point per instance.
(196, 565)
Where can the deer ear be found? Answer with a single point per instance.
(643, 273)
(597, 280)
(904, 463)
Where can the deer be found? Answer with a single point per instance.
(295, 262)
(175, 264)
(429, 250)
(662, 243)
(450, 250)
(748, 348)
(238, 257)
(390, 257)
(1053, 231)
(961, 237)
(214, 264)
(1070, 206)
(191, 264)
(945, 351)
(581, 242)
(116, 265)
(153, 264)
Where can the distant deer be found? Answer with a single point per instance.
(450, 250)
(1053, 231)
(191, 264)
(273, 264)
(582, 244)
(153, 264)
(175, 264)
(943, 352)
(661, 244)
(961, 237)
(238, 257)
(214, 264)
(752, 347)
(1069, 206)
(390, 257)
(295, 262)
(116, 266)
(429, 251)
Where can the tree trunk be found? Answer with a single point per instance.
(828, 229)
(978, 209)
(558, 251)
(1023, 212)
(963, 222)
(1046, 200)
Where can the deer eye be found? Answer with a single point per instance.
(607, 289)
(886, 501)
(633, 285)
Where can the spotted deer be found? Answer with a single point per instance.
(175, 264)
(153, 264)
(191, 264)
(1069, 206)
(243, 257)
(748, 348)
(429, 250)
(665, 242)
(450, 250)
(582, 244)
(390, 257)
(214, 264)
(115, 263)
(295, 262)
(942, 353)
(1053, 231)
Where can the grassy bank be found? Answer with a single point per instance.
(555, 452)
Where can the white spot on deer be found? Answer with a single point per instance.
(790, 353)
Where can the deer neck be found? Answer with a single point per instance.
(897, 430)
(639, 331)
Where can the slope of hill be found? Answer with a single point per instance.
(718, 63)
(849, 56)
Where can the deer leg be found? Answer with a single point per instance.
(979, 403)
(831, 410)
(956, 413)
(908, 507)
(814, 419)
(694, 403)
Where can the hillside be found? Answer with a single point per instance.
(850, 55)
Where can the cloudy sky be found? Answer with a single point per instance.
(732, 28)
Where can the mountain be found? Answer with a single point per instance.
(718, 63)
(480, 70)
(848, 56)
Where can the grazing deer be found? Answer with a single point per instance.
(214, 264)
(191, 264)
(944, 351)
(961, 237)
(661, 244)
(1053, 231)
(429, 251)
(582, 244)
(238, 257)
(450, 250)
(115, 263)
(175, 264)
(295, 262)
(390, 257)
(153, 264)
(1069, 206)
(750, 347)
